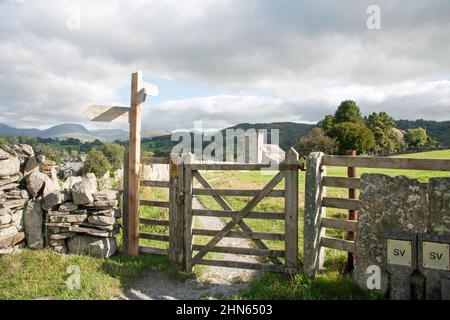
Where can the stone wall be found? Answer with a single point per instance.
(13, 196)
(73, 218)
(404, 209)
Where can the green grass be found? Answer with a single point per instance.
(42, 274)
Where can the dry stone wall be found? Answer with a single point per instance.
(399, 211)
(73, 218)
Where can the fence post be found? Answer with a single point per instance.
(176, 213)
(134, 164)
(291, 212)
(352, 215)
(125, 204)
(313, 254)
(188, 159)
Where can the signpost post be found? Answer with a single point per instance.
(108, 113)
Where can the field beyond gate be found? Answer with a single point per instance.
(177, 227)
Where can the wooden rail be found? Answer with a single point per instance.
(150, 183)
(339, 224)
(340, 203)
(156, 222)
(242, 166)
(153, 236)
(153, 203)
(242, 234)
(338, 244)
(387, 163)
(342, 182)
(245, 251)
(235, 193)
(231, 214)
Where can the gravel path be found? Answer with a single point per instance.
(212, 282)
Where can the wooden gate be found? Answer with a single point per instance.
(280, 260)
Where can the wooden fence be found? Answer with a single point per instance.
(316, 200)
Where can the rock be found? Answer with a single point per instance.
(102, 220)
(55, 242)
(54, 198)
(82, 192)
(33, 221)
(17, 219)
(92, 231)
(15, 204)
(9, 167)
(106, 195)
(26, 149)
(387, 204)
(31, 166)
(68, 206)
(101, 248)
(9, 179)
(61, 249)
(4, 155)
(7, 236)
(58, 224)
(68, 184)
(62, 235)
(40, 158)
(109, 213)
(104, 182)
(5, 219)
(103, 204)
(52, 184)
(35, 182)
(69, 218)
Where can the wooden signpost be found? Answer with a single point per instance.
(108, 113)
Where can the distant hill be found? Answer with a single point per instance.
(155, 133)
(439, 130)
(65, 131)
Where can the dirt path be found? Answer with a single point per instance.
(212, 282)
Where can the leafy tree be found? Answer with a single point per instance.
(2, 141)
(327, 123)
(115, 153)
(416, 138)
(354, 136)
(382, 126)
(316, 140)
(51, 153)
(96, 163)
(348, 111)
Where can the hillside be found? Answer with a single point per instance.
(439, 130)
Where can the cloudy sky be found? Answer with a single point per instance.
(223, 61)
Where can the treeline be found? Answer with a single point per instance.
(377, 133)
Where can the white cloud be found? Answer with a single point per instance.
(304, 57)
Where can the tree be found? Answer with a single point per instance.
(416, 138)
(2, 141)
(115, 154)
(316, 140)
(382, 126)
(353, 136)
(327, 123)
(348, 111)
(51, 153)
(96, 163)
